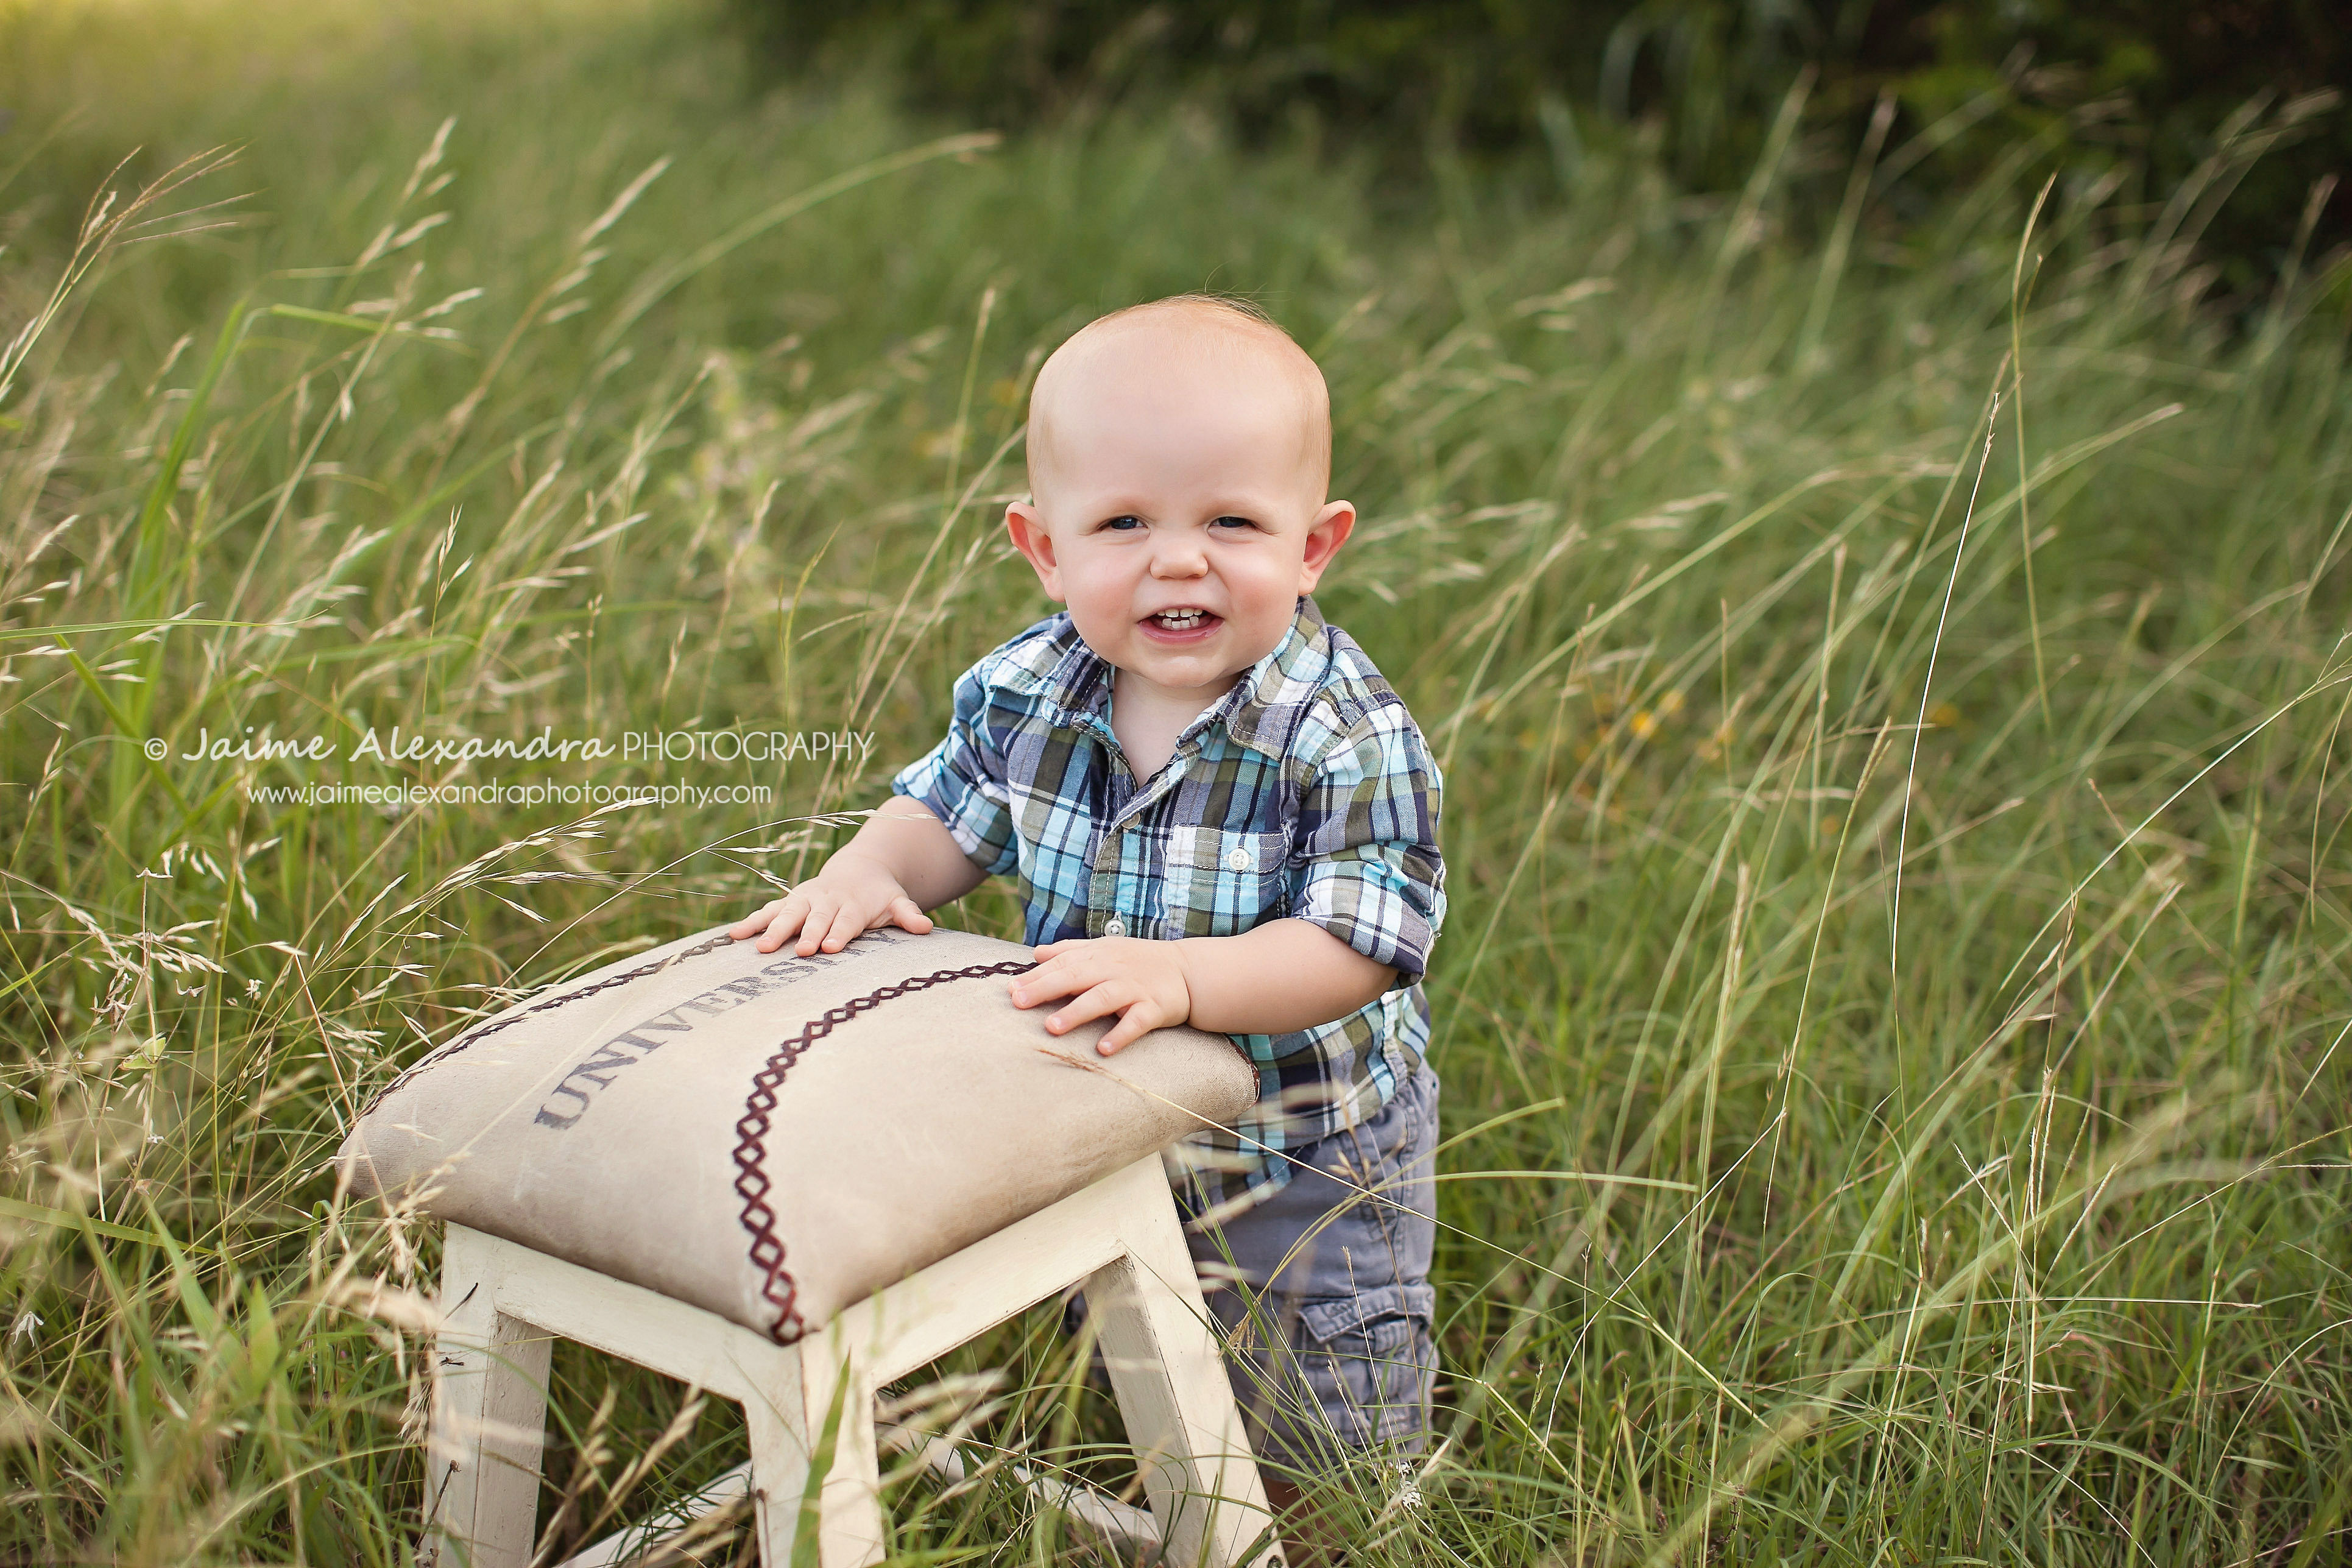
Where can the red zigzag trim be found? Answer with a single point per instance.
(778, 1287)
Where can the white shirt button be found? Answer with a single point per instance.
(1114, 927)
(1240, 860)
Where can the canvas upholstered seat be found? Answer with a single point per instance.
(710, 1129)
(760, 1143)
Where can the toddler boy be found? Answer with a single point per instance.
(1190, 750)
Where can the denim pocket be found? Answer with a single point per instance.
(1371, 1360)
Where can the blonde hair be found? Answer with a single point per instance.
(1207, 324)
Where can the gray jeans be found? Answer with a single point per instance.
(1323, 1291)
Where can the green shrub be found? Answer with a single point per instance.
(2142, 85)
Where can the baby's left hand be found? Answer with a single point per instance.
(1141, 981)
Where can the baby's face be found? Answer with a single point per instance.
(1179, 515)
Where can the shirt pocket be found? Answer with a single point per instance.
(1221, 881)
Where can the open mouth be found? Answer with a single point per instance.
(1189, 621)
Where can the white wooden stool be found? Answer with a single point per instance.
(1120, 1237)
(788, 1182)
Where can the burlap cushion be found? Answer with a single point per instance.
(773, 1137)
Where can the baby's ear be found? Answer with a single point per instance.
(1324, 536)
(1030, 538)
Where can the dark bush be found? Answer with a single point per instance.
(2146, 85)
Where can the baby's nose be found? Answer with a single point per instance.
(1179, 557)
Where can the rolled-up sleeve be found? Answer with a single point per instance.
(1369, 869)
(961, 779)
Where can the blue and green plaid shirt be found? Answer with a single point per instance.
(1306, 792)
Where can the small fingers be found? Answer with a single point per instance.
(1063, 977)
(1132, 1026)
(823, 920)
(843, 930)
(816, 921)
(1099, 1002)
(852, 922)
(908, 914)
(778, 921)
(756, 922)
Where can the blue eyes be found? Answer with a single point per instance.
(1128, 523)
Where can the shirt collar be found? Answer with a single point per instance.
(1261, 712)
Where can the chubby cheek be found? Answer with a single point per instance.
(1271, 595)
(1102, 612)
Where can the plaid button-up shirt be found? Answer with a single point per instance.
(1306, 792)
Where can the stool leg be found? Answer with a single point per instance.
(788, 1433)
(849, 1503)
(780, 1466)
(1163, 1352)
(490, 1419)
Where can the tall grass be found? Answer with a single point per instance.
(1890, 692)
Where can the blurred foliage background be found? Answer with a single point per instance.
(2137, 87)
(1774, 545)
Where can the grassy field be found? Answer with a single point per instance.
(1890, 683)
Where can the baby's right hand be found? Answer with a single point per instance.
(851, 895)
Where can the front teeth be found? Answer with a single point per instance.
(1179, 620)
